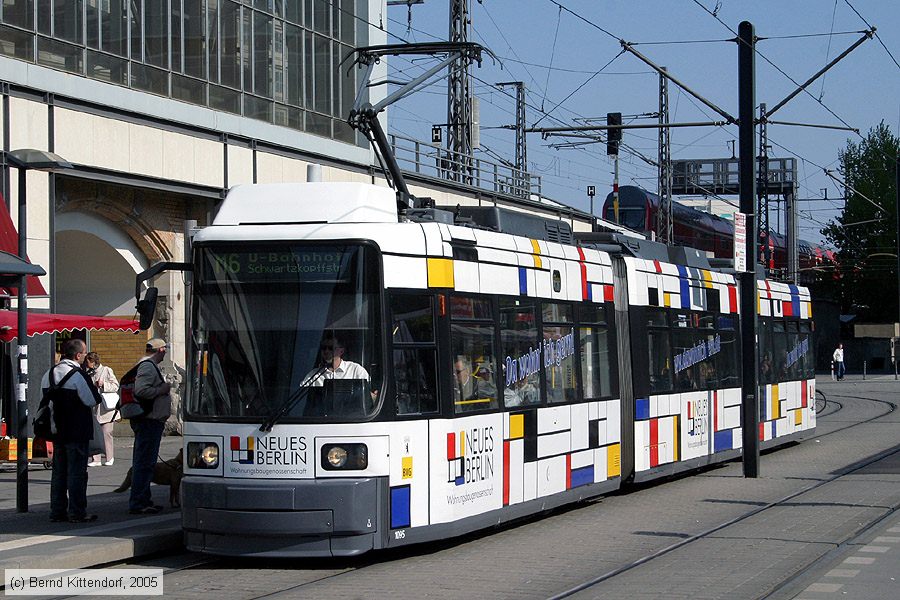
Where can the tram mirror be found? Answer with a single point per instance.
(146, 308)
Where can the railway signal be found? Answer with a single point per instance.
(614, 133)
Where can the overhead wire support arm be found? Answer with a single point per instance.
(867, 35)
(838, 127)
(629, 48)
(549, 131)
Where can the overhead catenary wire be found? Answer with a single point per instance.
(828, 50)
(877, 37)
(552, 55)
(777, 68)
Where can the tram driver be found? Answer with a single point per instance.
(332, 365)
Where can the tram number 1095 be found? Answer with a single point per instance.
(399, 534)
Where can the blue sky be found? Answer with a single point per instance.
(564, 61)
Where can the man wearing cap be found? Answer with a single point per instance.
(152, 390)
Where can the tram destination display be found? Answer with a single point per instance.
(306, 264)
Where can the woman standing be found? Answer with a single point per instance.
(108, 386)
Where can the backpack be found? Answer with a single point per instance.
(130, 406)
(44, 422)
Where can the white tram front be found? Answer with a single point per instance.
(479, 378)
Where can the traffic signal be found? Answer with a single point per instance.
(613, 136)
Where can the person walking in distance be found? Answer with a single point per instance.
(74, 395)
(108, 386)
(838, 358)
(152, 391)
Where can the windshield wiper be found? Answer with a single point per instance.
(299, 394)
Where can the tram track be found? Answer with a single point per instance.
(692, 539)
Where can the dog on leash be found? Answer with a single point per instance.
(165, 472)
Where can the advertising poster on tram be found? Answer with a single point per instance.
(287, 454)
(466, 467)
(695, 416)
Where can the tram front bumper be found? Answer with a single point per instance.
(334, 517)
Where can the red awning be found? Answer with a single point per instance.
(9, 242)
(50, 323)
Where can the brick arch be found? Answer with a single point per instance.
(149, 240)
(153, 220)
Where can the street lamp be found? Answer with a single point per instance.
(23, 160)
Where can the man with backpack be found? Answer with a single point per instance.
(73, 396)
(151, 391)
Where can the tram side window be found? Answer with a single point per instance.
(520, 353)
(596, 352)
(687, 375)
(806, 338)
(794, 357)
(414, 379)
(413, 318)
(660, 351)
(779, 350)
(559, 353)
(415, 354)
(764, 351)
(466, 307)
(708, 377)
(727, 362)
(474, 371)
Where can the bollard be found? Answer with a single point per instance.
(864, 370)
(833, 378)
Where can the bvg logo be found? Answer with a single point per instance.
(243, 455)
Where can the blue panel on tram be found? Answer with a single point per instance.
(685, 287)
(795, 300)
(582, 476)
(642, 408)
(400, 507)
(723, 440)
(523, 281)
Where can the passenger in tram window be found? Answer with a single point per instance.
(765, 368)
(484, 369)
(707, 375)
(783, 367)
(687, 380)
(468, 386)
(525, 393)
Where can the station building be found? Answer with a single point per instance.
(161, 106)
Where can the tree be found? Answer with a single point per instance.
(866, 232)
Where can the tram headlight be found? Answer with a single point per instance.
(345, 457)
(203, 455)
(337, 457)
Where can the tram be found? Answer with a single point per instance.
(493, 365)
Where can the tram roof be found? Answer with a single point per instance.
(319, 202)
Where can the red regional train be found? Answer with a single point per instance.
(704, 231)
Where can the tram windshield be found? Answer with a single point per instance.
(288, 330)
